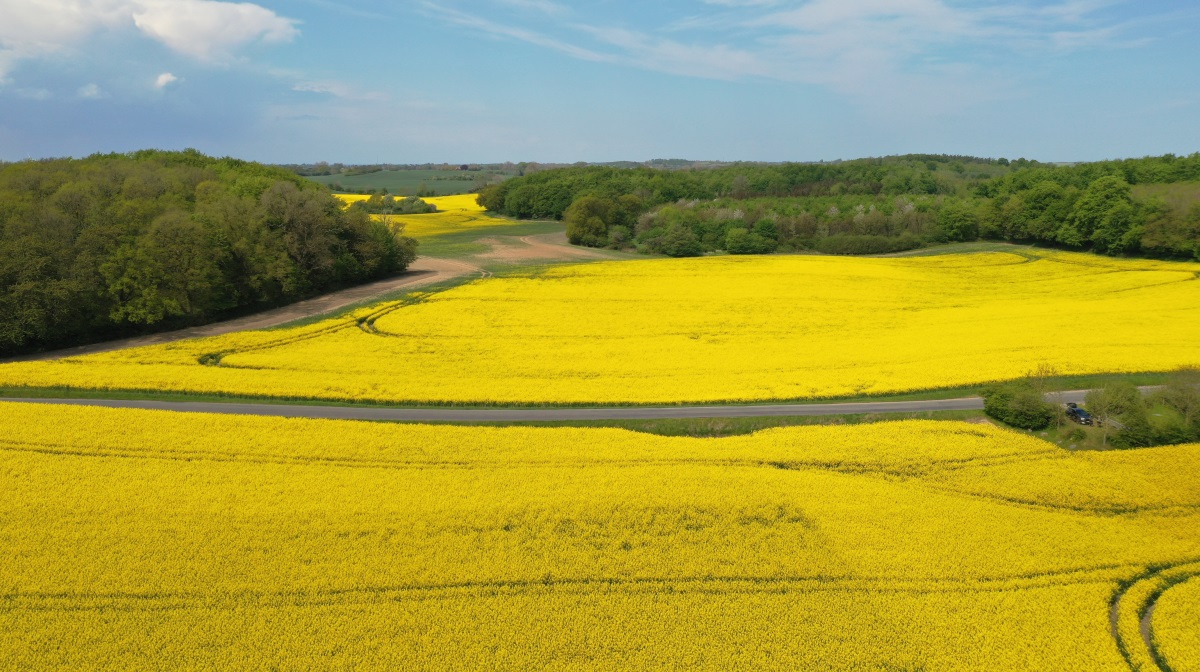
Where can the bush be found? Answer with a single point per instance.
(957, 223)
(743, 241)
(390, 205)
(679, 241)
(1136, 430)
(847, 244)
(1019, 405)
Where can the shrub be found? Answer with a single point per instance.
(848, 244)
(1136, 430)
(743, 241)
(679, 241)
(1018, 405)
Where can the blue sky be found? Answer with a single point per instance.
(548, 80)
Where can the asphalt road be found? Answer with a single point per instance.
(543, 414)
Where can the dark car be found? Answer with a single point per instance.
(1079, 415)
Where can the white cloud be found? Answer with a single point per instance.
(90, 91)
(164, 80)
(202, 29)
(209, 30)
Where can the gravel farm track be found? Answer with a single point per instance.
(422, 272)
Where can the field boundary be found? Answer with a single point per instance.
(441, 414)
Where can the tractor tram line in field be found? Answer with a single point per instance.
(1132, 618)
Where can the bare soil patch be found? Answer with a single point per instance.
(542, 247)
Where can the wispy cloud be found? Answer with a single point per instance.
(542, 6)
(864, 48)
(711, 61)
(90, 91)
(338, 89)
(507, 31)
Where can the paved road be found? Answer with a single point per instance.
(521, 415)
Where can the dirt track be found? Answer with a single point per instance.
(543, 247)
(424, 271)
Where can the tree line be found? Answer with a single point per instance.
(122, 244)
(1123, 415)
(386, 204)
(869, 206)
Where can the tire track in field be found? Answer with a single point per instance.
(1133, 651)
(424, 271)
(709, 585)
(906, 473)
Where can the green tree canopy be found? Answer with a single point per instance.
(119, 244)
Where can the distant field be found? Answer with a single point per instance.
(455, 214)
(455, 229)
(149, 540)
(715, 329)
(406, 182)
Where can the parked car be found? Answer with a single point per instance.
(1079, 415)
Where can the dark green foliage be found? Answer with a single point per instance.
(867, 244)
(401, 181)
(1103, 215)
(1075, 435)
(1136, 430)
(120, 244)
(590, 218)
(1112, 399)
(918, 198)
(956, 223)
(547, 194)
(1019, 404)
(379, 204)
(744, 241)
(680, 241)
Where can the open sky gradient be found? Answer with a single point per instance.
(405, 81)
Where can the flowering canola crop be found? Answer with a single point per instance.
(696, 330)
(144, 539)
(456, 213)
(1176, 625)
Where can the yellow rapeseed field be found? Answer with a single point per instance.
(150, 540)
(456, 213)
(1176, 625)
(697, 330)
